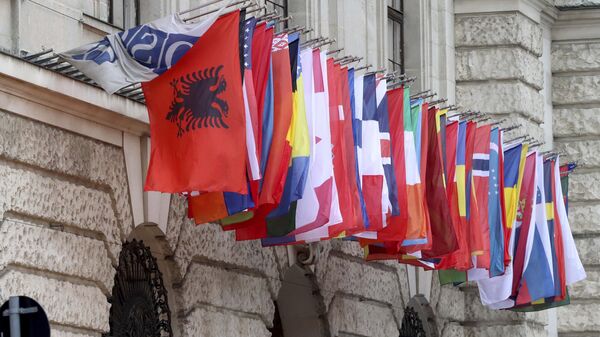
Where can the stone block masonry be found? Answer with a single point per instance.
(498, 67)
(576, 121)
(499, 71)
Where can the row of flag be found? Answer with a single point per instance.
(278, 142)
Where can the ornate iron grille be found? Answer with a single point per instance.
(139, 301)
(412, 326)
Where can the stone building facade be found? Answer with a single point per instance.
(73, 159)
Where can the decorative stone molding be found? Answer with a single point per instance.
(576, 25)
(501, 63)
(576, 4)
(499, 29)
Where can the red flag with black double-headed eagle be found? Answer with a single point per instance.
(197, 123)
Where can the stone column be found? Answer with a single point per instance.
(576, 98)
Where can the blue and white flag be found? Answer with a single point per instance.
(139, 54)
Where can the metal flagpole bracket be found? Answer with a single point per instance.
(336, 51)
(199, 7)
(282, 20)
(515, 139)
(242, 3)
(364, 67)
(451, 108)
(536, 144)
(314, 41)
(496, 123)
(293, 29)
(418, 95)
(439, 101)
(267, 16)
(343, 58)
(510, 128)
(324, 43)
(379, 71)
(352, 60)
(433, 94)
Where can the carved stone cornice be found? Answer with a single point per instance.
(536, 10)
(579, 24)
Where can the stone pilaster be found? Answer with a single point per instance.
(575, 68)
(498, 66)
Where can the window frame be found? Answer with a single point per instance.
(396, 18)
(275, 4)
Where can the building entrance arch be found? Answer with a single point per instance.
(299, 306)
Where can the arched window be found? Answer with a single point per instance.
(418, 320)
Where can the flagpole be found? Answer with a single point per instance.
(199, 7)
(218, 9)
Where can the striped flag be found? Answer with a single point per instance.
(416, 233)
(525, 222)
(460, 260)
(344, 158)
(357, 115)
(443, 237)
(370, 160)
(479, 222)
(455, 140)
(496, 215)
(495, 292)
(537, 281)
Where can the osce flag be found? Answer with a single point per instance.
(141, 53)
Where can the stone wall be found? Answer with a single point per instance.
(499, 71)
(237, 282)
(576, 98)
(576, 3)
(498, 67)
(64, 207)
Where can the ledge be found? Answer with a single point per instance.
(30, 90)
(577, 24)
